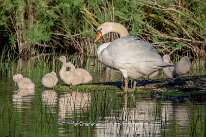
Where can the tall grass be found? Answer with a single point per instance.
(173, 27)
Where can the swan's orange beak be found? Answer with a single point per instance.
(99, 34)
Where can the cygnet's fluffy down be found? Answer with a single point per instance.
(87, 77)
(23, 83)
(69, 77)
(49, 80)
(183, 66)
(168, 71)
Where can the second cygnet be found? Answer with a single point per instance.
(183, 66)
(87, 77)
(49, 80)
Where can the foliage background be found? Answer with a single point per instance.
(173, 26)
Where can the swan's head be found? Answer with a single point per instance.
(111, 27)
(102, 30)
(166, 58)
(62, 59)
(17, 77)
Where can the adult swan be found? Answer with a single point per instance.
(132, 57)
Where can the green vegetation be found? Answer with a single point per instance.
(172, 26)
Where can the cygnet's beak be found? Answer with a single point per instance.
(99, 34)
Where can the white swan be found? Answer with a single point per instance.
(87, 77)
(183, 66)
(49, 80)
(168, 71)
(69, 77)
(23, 83)
(132, 57)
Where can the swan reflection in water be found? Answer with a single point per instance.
(144, 119)
(22, 98)
(136, 121)
(72, 103)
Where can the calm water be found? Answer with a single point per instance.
(95, 112)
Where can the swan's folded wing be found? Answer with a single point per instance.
(130, 50)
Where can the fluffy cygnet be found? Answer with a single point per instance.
(49, 80)
(87, 77)
(69, 77)
(183, 66)
(23, 83)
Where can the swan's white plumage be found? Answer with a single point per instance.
(132, 57)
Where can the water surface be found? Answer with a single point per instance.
(94, 112)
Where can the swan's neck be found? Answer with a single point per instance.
(116, 27)
(63, 68)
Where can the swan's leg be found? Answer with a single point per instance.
(124, 73)
(70, 85)
(134, 86)
(125, 100)
(126, 84)
(134, 100)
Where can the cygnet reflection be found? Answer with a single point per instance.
(49, 97)
(73, 103)
(22, 98)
